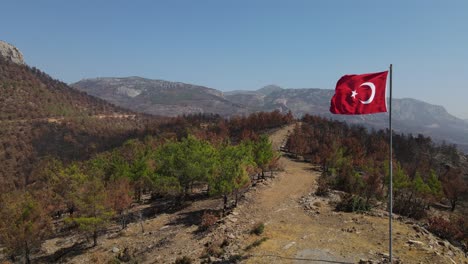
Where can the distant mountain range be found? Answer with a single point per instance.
(159, 97)
(175, 98)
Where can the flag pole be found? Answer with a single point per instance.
(390, 196)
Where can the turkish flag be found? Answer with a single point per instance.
(359, 94)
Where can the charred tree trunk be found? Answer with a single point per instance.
(186, 191)
(123, 219)
(27, 253)
(140, 216)
(453, 204)
(95, 236)
(237, 198)
(225, 198)
(138, 194)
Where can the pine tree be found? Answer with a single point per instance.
(190, 160)
(23, 223)
(232, 171)
(263, 153)
(93, 211)
(119, 198)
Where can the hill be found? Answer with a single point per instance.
(159, 97)
(41, 117)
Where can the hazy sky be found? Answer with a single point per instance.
(246, 44)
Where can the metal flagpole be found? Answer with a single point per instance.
(390, 197)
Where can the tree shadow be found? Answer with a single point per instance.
(157, 207)
(64, 253)
(191, 218)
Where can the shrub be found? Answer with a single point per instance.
(414, 207)
(208, 220)
(214, 250)
(462, 223)
(323, 187)
(183, 260)
(353, 203)
(258, 229)
(444, 228)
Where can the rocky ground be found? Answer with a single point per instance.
(299, 227)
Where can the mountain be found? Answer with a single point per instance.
(159, 97)
(266, 90)
(174, 98)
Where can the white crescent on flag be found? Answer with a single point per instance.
(371, 98)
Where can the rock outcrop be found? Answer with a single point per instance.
(11, 53)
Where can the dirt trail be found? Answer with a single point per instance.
(60, 119)
(296, 236)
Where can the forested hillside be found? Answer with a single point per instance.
(88, 192)
(41, 117)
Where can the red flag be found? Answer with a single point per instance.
(360, 94)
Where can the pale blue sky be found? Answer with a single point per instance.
(246, 44)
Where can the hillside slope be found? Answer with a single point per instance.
(43, 118)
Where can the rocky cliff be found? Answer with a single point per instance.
(11, 53)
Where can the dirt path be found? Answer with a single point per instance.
(322, 235)
(60, 119)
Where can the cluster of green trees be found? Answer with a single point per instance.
(89, 195)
